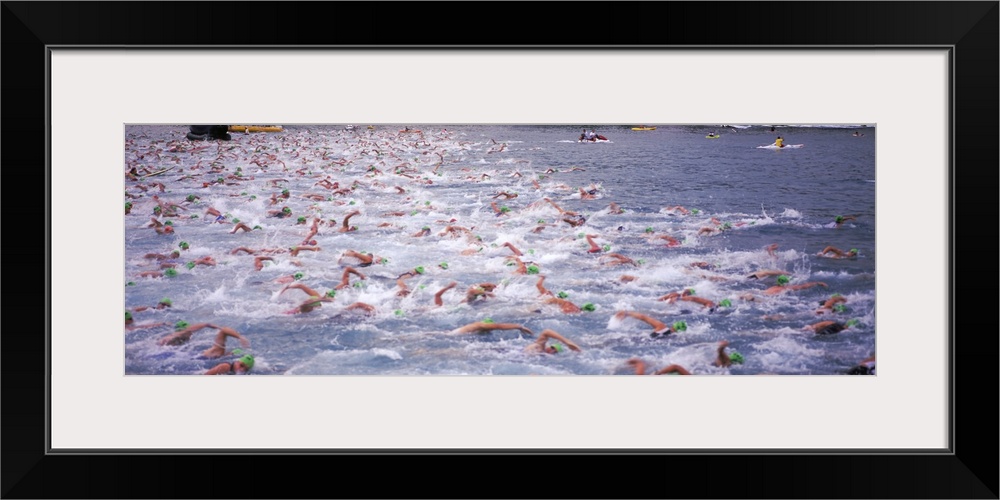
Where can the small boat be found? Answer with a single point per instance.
(599, 138)
(255, 128)
(643, 127)
(786, 146)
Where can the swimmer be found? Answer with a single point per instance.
(162, 304)
(240, 366)
(364, 259)
(345, 227)
(766, 273)
(482, 290)
(640, 368)
(296, 249)
(565, 305)
(424, 231)
(613, 208)
(542, 291)
(829, 327)
(771, 248)
(841, 219)
(781, 287)
(838, 253)
(284, 212)
(437, 296)
(258, 262)
(708, 304)
(512, 248)
(672, 297)
(594, 248)
(587, 195)
(218, 348)
(618, 259)
(724, 360)
(367, 309)
(488, 325)
(346, 276)
(241, 226)
(539, 346)
(173, 255)
(829, 305)
(659, 327)
(865, 367)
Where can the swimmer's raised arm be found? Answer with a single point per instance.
(552, 334)
(437, 296)
(300, 286)
(721, 358)
(672, 369)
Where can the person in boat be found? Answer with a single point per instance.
(779, 142)
(583, 135)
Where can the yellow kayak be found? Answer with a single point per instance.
(643, 128)
(255, 128)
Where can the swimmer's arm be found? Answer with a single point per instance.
(509, 326)
(672, 369)
(721, 359)
(437, 296)
(638, 365)
(225, 331)
(547, 334)
(219, 369)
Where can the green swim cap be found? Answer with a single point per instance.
(487, 320)
(419, 269)
(170, 272)
(725, 303)
(359, 284)
(854, 250)
(247, 360)
(331, 293)
(398, 312)
(835, 295)
(284, 191)
(695, 210)
(427, 203)
(169, 223)
(130, 283)
(351, 203)
(649, 229)
(851, 322)
(840, 218)
(736, 357)
(679, 326)
(128, 205)
(557, 347)
(588, 307)
(184, 245)
(413, 212)
(504, 209)
(156, 209)
(840, 308)
(562, 295)
(532, 269)
(783, 279)
(128, 315)
(166, 301)
(220, 179)
(236, 221)
(257, 227)
(190, 197)
(443, 265)
(425, 228)
(727, 226)
(301, 219)
(180, 325)
(531, 251)
(581, 235)
(541, 221)
(190, 265)
(298, 276)
(286, 210)
(194, 216)
(690, 291)
(641, 261)
(607, 248)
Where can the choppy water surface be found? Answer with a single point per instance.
(748, 197)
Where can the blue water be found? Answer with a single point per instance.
(789, 197)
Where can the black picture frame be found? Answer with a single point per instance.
(969, 470)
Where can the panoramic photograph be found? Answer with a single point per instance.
(499, 249)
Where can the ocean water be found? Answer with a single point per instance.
(404, 182)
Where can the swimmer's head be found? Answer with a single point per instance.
(679, 326)
(840, 308)
(555, 348)
(298, 276)
(736, 357)
(128, 205)
(562, 295)
(419, 269)
(688, 291)
(175, 254)
(488, 320)
(190, 197)
(589, 307)
(301, 220)
(851, 322)
(725, 303)
(443, 265)
(286, 210)
(190, 265)
(425, 228)
(541, 221)
(170, 272)
(166, 302)
(532, 269)
(128, 316)
(607, 248)
(247, 361)
(783, 279)
(839, 219)
(284, 192)
(649, 229)
(156, 209)
(184, 245)
(853, 251)
(180, 325)
(331, 293)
